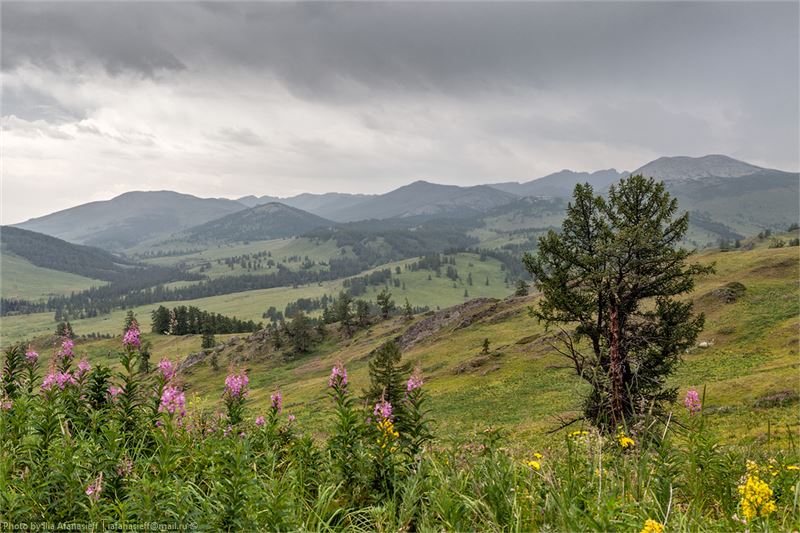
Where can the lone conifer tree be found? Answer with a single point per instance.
(385, 302)
(613, 272)
(300, 333)
(388, 376)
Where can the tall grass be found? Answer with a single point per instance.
(77, 454)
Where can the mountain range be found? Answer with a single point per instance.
(737, 196)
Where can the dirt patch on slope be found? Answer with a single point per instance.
(459, 316)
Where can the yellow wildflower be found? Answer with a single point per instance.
(792, 467)
(625, 441)
(536, 465)
(537, 456)
(756, 498)
(651, 526)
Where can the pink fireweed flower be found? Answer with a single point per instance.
(383, 409)
(692, 402)
(31, 356)
(292, 418)
(95, 488)
(415, 381)
(338, 376)
(83, 368)
(167, 369)
(277, 402)
(67, 345)
(260, 421)
(131, 338)
(59, 379)
(236, 385)
(172, 400)
(114, 391)
(6, 404)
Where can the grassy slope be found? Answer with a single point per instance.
(522, 387)
(22, 279)
(251, 304)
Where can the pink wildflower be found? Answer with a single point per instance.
(692, 402)
(172, 400)
(83, 368)
(131, 338)
(236, 385)
(383, 409)
(6, 404)
(292, 418)
(277, 402)
(338, 376)
(114, 391)
(415, 381)
(167, 369)
(59, 379)
(67, 345)
(260, 421)
(31, 356)
(95, 488)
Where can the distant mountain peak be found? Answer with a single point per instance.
(670, 168)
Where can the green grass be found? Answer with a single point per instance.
(22, 279)
(251, 305)
(523, 388)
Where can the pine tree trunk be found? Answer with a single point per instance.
(617, 380)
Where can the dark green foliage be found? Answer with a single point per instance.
(343, 313)
(130, 320)
(208, 340)
(408, 311)
(387, 376)
(521, 289)
(300, 333)
(193, 321)
(160, 320)
(485, 347)
(64, 329)
(614, 271)
(97, 386)
(12, 370)
(362, 313)
(385, 303)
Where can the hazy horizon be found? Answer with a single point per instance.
(228, 100)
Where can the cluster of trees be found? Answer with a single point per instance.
(190, 320)
(358, 285)
(166, 253)
(19, 306)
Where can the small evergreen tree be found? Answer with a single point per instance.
(208, 341)
(385, 303)
(387, 376)
(160, 320)
(344, 313)
(522, 288)
(64, 329)
(300, 333)
(130, 320)
(408, 311)
(362, 313)
(485, 346)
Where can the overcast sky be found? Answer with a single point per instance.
(255, 98)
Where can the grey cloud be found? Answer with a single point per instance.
(331, 49)
(244, 136)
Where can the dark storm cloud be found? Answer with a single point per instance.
(328, 49)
